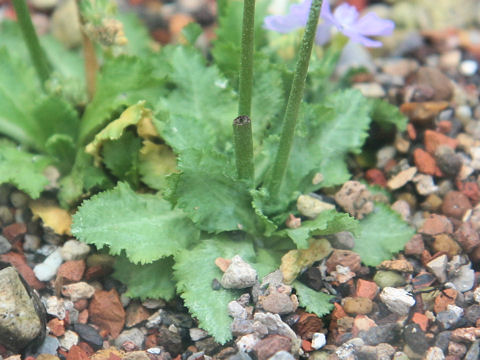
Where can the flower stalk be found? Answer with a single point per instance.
(294, 100)
(38, 56)
(242, 128)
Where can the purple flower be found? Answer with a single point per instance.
(344, 18)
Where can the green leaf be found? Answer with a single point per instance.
(157, 162)
(142, 225)
(380, 235)
(19, 91)
(62, 149)
(207, 305)
(386, 115)
(22, 169)
(154, 281)
(139, 40)
(57, 117)
(325, 135)
(201, 109)
(313, 301)
(326, 223)
(121, 157)
(191, 32)
(122, 81)
(210, 194)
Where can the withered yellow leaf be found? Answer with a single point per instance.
(52, 216)
(294, 261)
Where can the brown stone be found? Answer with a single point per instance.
(136, 314)
(471, 190)
(421, 320)
(19, 262)
(400, 265)
(307, 325)
(444, 243)
(469, 334)
(366, 289)
(436, 224)
(345, 258)
(270, 345)
(357, 305)
(107, 312)
(425, 163)
(445, 298)
(72, 270)
(455, 204)
(14, 232)
(77, 353)
(434, 139)
(432, 203)
(362, 323)
(422, 113)
(467, 237)
(415, 245)
(376, 177)
(81, 304)
(56, 326)
(222, 263)
(433, 78)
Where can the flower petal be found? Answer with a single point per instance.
(326, 13)
(296, 18)
(372, 25)
(345, 15)
(323, 33)
(356, 37)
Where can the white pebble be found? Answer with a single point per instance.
(49, 267)
(79, 290)
(398, 301)
(318, 340)
(74, 250)
(468, 67)
(69, 339)
(239, 275)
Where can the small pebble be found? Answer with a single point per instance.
(386, 279)
(434, 353)
(311, 207)
(5, 245)
(398, 301)
(438, 267)
(318, 340)
(197, 334)
(239, 275)
(133, 335)
(74, 250)
(468, 67)
(69, 339)
(49, 267)
(79, 290)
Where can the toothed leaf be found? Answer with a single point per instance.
(144, 226)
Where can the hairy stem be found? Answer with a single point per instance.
(91, 65)
(242, 131)
(242, 127)
(38, 56)
(294, 100)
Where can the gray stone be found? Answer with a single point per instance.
(19, 199)
(398, 301)
(48, 346)
(473, 352)
(343, 240)
(400, 355)
(197, 334)
(21, 322)
(239, 275)
(74, 250)
(450, 317)
(69, 339)
(236, 310)
(241, 355)
(88, 334)
(133, 335)
(438, 267)
(6, 216)
(208, 345)
(379, 334)
(275, 325)
(464, 278)
(31, 243)
(415, 338)
(472, 314)
(278, 300)
(241, 327)
(5, 245)
(282, 355)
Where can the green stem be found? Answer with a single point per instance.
(294, 101)
(242, 127)
(242, 131)
(39, 59)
